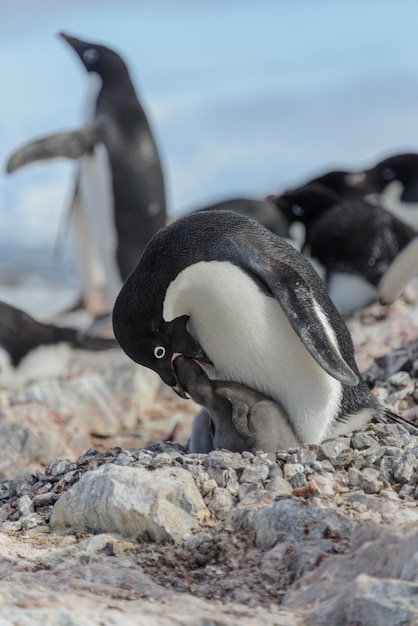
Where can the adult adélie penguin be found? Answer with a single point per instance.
(363, 252)
(219, 288)
(119, 197)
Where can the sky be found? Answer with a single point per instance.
(245, 98)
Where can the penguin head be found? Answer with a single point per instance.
(305, 204)
(400, 167)
(340, 182)
(99, 59)
(156, 344)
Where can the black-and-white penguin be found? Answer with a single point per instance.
(263, 211)
(119, 199)
(353, 245)
(221, 289)
(234, 416)
(31, 350)
(394, 182)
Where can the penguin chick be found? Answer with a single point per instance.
(119, 197)
(221, 289)
(235, 417)
(352, 244)
(30, 349)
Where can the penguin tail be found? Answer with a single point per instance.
(389, 416)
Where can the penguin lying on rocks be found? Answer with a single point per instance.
(235, 417)
(119, 197)
(362, 252)
(221, 289)
(30, 349)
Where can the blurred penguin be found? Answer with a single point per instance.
(362, 252)
(119, 197)
(30, 349)
(394, 183)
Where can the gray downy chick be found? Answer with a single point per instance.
(234, 416)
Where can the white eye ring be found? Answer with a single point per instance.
(159, 352)
(297, 210)
(91, 55)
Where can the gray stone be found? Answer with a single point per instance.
(332, 448)
(362, 441)
(354, 477)
(292, 519)
(220, 502)
(25, 505)
(393, 435)
(370, 482)
(254, 473)
(405, 467)
(280, 487)
(163, 505)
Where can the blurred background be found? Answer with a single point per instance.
(244, 98)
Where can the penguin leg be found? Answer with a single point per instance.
(71, 145)
(201, 438)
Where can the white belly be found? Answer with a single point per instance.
(96, 195)
(42, 362)
(350, 292)
(406, 211)
(248, 337)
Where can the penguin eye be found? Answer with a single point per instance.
(388, 173)
(297, 210)
(159, 352)
(90, 56)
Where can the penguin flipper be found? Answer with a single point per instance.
(240, 408)
(399, 274)
(71, 144)
(307, 318)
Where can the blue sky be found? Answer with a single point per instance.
(246, 98)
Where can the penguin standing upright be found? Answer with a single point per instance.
(119, 197)
(221, 289)
(352, 244)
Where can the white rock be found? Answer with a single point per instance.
(161, 505)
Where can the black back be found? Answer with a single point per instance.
(357, 237)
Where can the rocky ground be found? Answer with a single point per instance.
(105, 522)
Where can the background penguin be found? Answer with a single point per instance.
(394, 182)
(339, 181)
(30, 349)
(263, 211)
(235, 417)
(218, 287)
(119, 198)
(352, 244)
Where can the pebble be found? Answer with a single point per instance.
(380, 460)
